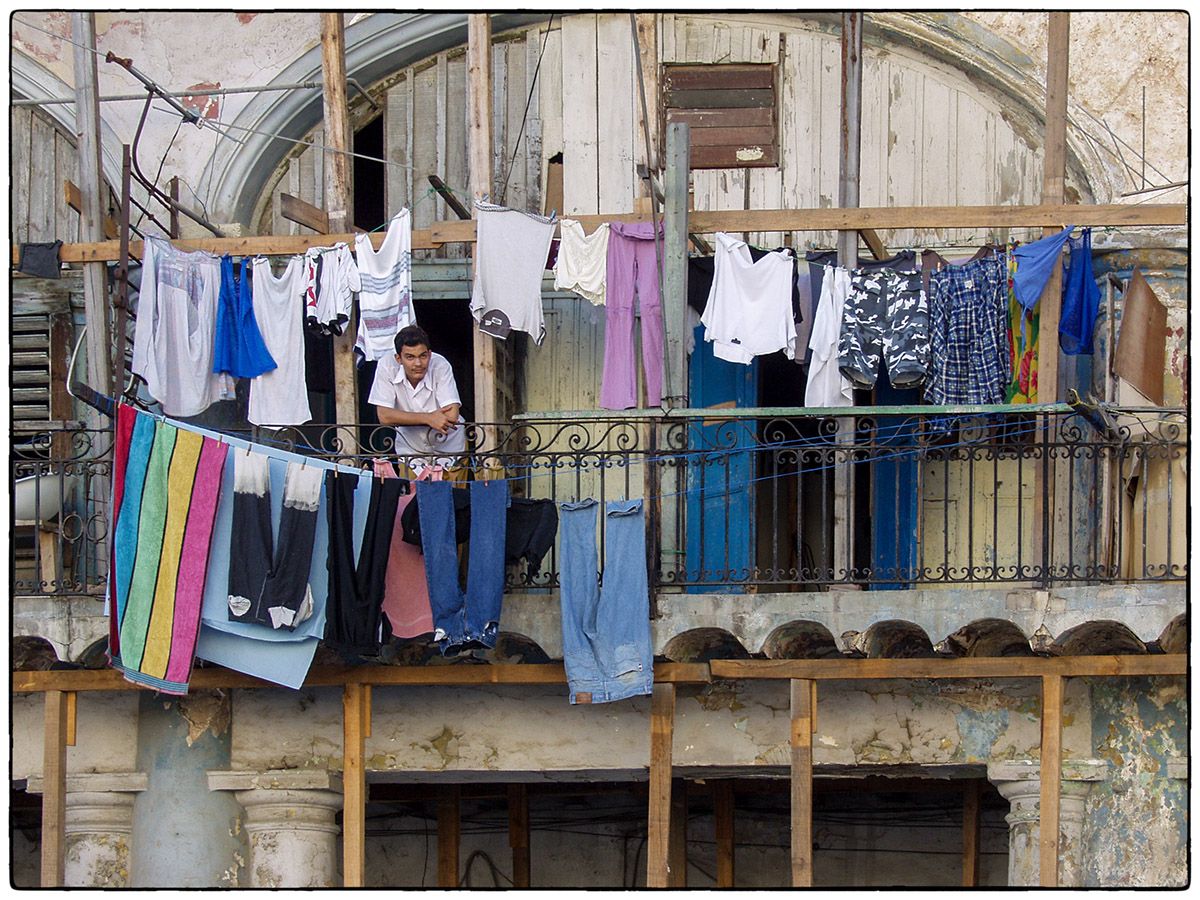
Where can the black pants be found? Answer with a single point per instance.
(354, 615)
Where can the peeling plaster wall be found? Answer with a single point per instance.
(474, 732)
(185, 835)
(107, 729)
(1136, 824)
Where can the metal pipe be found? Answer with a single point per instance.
(215, 92)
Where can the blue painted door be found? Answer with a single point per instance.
(895, 485)
(720, 474)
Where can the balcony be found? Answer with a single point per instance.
(753, 501)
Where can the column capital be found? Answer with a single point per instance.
(1019, 770)
(276, 780)
(96, 782)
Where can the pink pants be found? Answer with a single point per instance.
(632, 265)
(405, 590)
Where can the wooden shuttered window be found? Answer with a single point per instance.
(730, 110)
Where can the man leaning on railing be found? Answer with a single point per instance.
(415, 391)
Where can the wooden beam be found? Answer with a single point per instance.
(74, 199)
(326, 676)
(92, 190)
(677, 853)
(518, 833)
(971, 832)
(296, 210)
(54, 791)
(354, 786)
(479, 164)
(449, 836)
(702, 222)
(874, 243)
(998, 667)
(339, 194)
(674, 276)
(1051, 775)
(1054, 174)
(801, 783)
(658, 829)
(723, 815)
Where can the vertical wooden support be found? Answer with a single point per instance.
(1054, 177)
(479, 163)
(675, 238)
(723, 805)
(72, 718)
(54, 792)
(848, 196)
(658, 831)
(677, 853)
(518, 833)
(647, 48)
(339, 198)
(803, 706)
(971, 831)
(1051, 774)
(91, 192)
(449, 824)
(354, 784)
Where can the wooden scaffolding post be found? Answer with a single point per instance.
(723, 810)
(449, 836)
(677, 863)
(479, 163)
(971, 833)
(92, 198)
(54, 790)
(356, 715)
(803, 704)
(1051, 775)
(658, 828)
(848, 196)
(675, 240)
(339, 200)
(518, 833)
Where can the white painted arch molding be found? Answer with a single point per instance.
(376, 47)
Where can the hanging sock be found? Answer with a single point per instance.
(1081, 299)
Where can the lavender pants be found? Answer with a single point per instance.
(632, 266)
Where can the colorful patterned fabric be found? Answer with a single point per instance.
(1022, 345)
(168, 482)
(967, 361)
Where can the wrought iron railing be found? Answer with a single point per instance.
(742, 502)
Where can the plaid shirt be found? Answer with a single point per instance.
(968, 333)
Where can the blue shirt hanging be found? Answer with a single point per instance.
(238, 346)
(1035, 262)
(1081, 299)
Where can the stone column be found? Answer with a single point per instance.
(98, 826)
(1019, 782)
(289, 821)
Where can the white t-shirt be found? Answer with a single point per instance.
(329, 298)
(582, 264)
(827, 386)
(280, 397)
(749, 309)
(510, 260)
(176, 326)
(385, 278)
(392, 389)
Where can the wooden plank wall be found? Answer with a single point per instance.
(41, 158)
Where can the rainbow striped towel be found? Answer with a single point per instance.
(166, 483)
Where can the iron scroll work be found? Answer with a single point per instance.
(781, 503)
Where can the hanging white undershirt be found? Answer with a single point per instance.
(582, 264)
(749, 309)
(826, 384)
(385, 301)
(329, 299)
(176, 326)
(280, 397)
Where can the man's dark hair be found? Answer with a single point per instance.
(411, 336)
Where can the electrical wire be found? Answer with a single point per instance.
(58, 37)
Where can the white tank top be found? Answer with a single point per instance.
(280, 397)
(749, 310)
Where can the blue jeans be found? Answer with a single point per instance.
(606, 631)
(472, 619)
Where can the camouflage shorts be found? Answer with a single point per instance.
(886, 315)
